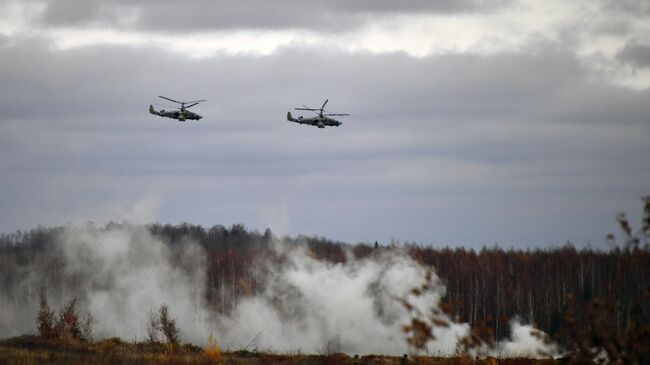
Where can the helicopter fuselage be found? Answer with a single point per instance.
(320, 122)
(181, 114)
(322, 119)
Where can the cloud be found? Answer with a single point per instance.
(636, 8)
(509, 139)
(635, 54)
(174, 16)
(116, 81)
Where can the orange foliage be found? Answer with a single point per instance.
(211, 351)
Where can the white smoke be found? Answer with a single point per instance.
(127, 273)
(526, 341)
(352, 304)
(309, 305)
(118, 275)
(355, 306)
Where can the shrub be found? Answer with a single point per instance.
(211, 350)
(68, 323)
(45, 318)
(168, 325)
(153, 328)
(86, 327)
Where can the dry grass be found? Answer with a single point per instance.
(31, 350)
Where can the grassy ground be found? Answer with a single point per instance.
(28, 350)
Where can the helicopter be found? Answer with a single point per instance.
(321, 121)
(181, 114)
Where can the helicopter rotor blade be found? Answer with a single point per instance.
(191, 105)
(336, 114)
(195, 102)
(166, 98)
(322, 107)
(316, 111)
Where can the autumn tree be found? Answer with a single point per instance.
(45, 318)
(68, 324)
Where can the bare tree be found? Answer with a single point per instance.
(153, 327)
(168, 325)
(86, 327)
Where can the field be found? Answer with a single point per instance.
(28, 350)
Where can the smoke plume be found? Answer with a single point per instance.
(118, 275)
(314, 306)
(349, 307)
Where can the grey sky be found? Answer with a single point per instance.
(471, 136)
(178, 16)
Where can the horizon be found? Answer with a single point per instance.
(617, 241)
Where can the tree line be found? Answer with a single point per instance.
(488, 287)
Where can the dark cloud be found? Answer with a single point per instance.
(444, 149)
(175, 16)
(549, 85)
(614, 27)
(635, 54)
(629, 7)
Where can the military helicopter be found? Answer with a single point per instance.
(181, 114)
(321, 121)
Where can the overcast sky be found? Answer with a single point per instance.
(519, 123)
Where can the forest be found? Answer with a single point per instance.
(485, 288)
